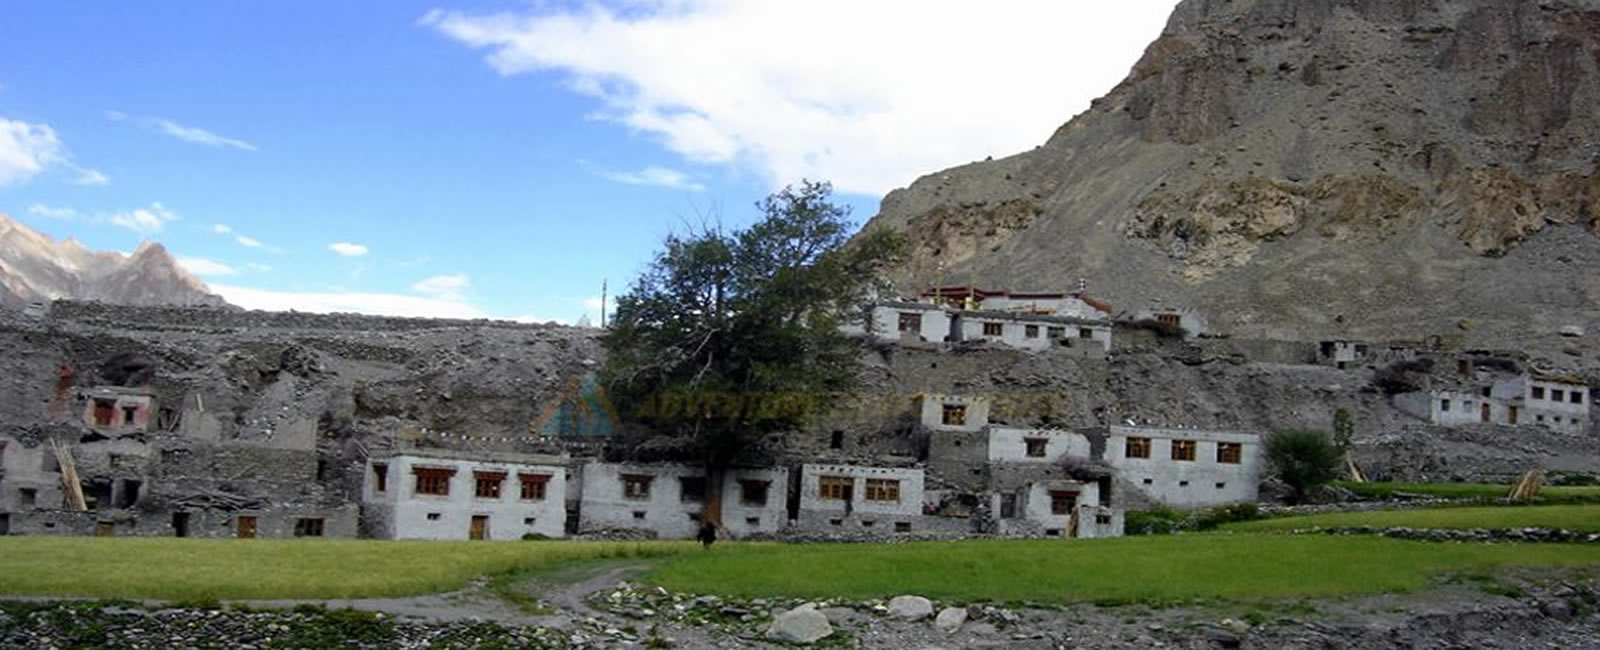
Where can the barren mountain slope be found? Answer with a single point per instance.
(1310, 168)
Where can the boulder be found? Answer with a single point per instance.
(803, 624)
(950, 619)
(1571, 330)
(910, 608)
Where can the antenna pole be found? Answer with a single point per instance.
(602, 303)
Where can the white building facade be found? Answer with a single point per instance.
(668, 499)
(1187, 468)
(880, 499)
(436, 494)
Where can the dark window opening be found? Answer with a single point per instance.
(902, 526)
(528, 521)
(752, 521)
(692, 489)
(380, 474)
(308, 527)
(104, 411)
(1102, 519)
(130, 493)
(836, 522)
(1085, 333)
(1137, 448)
(127, 414)
(836, 441)
(638, 514)
(1008, 505)
(1035, 447)
(992, 329)
(753, 493)
(433, 516)
(180, 524)
(322, 470)
(1031, 331)
(910, 322)
(27, 497)
(954, 415)
(1183, 450)
(1230, 452)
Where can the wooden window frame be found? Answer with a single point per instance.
(884, 490)
(533, 487)
(959, 411)
(910, 322)
(1136, 447)
(432, 481)
(1030, 331)
(1056, 332)
(994, 329)
(1184, 450)
(380, 473)
(1061, 501)
(834, 487)
(488, 484)
(1230, 453)
(636, 487)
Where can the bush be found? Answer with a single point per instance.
(1161, 520)
(534, 537)
(1210, 519)
(1303, 460)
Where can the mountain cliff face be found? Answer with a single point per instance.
(36, 267)
(1310, 168)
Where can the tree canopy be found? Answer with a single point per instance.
(730, 335)
(1303, 460)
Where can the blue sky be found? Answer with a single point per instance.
(503, 158)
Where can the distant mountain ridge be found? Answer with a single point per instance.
(35, 267)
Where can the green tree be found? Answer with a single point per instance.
(1303, 460)
(729, 336)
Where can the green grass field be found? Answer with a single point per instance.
(1145, 569)
(1549, 494)
(1130, 569)
(202, 569)
(1574, 517)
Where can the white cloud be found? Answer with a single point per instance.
(116, 116)
(443, 287)
(204, 267)
(90, 177)
(144, 220)
(388, 304)
(348, 249)
(792, 89)
(261, 268)
(26, 150)
(199, 135)
(249, 242)
(221, 229)
(653, 175)
(52, 212)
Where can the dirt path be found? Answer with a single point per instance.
(564, 590)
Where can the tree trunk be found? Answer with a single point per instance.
(713, 509)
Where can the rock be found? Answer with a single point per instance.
(950, 619)
(911, 608)
(803, 624)
(1237, 627)
(1571, 330)
(1560, 610)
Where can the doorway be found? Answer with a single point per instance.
(180, 524)
(480, 527)
(247, 527)
(1484, 411)
(5, 523)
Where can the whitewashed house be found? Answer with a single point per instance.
(444, 494)
(1187, 467)
(877, 499)
(1557, 403)
(668, 499)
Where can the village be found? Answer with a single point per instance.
(130, 460)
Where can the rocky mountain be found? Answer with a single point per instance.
(35, 267)
(1309, 168)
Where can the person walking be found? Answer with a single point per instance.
(707, 534)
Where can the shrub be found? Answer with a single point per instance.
(534, 537)
(1210, 519)
(1303, 460)
(1161, 520)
